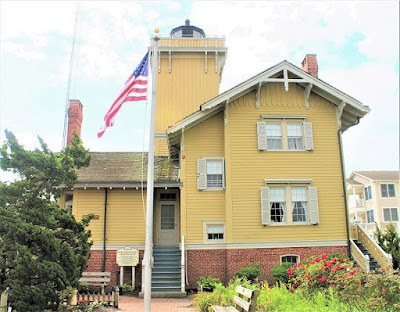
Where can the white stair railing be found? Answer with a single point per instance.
(362, 260)
(183, 264)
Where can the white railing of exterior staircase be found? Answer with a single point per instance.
(183, 264)
(362, 260)
(374, 249)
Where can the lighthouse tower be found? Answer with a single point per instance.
(189, 72)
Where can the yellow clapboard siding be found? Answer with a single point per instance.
(206, 139)
(181, 90)
(125, 216)
(87, 202)
(249, 167)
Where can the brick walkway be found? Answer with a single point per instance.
(135, 304)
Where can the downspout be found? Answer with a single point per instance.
(105, 229)
(339, 133)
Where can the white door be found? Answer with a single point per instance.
(167, 225)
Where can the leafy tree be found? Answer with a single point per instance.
(43, 249)
(389, 242)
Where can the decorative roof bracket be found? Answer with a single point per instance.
(339, 112)
(258, 95)
(307, 92)
(169, 61)
(226, 113)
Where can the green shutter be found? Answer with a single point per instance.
(201, 174)
(313, 203)
(265, 206)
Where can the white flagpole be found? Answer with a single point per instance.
(148, 252)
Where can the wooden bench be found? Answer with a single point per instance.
(246, 301)
(96, 279)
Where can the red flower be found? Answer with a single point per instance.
(290, 276)
(322, 279)
(328, 263)
(312, 262)
(324, 256)
(294, 265)
(289, 271)
(317, 259)
(333, 270)
(309, 277)
(291, 290)
(334, 260)
(352, 272)
(341, 260)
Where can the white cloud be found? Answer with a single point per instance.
(21, 51)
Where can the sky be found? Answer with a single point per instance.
(357, 47)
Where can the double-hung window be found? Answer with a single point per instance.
(210, 173)
(388, 190)
(370, 216)
(368, 192)
(293, 202)
(287, 133)
(390, 215)
(273, 132)
(299, 204)
(278, 204)
(295, 136)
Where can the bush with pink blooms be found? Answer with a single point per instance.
(320, 272)
(353, 287)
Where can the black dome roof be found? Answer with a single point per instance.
(187, 28)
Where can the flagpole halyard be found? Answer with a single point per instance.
(148, 252)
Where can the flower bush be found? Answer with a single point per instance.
(321, 272)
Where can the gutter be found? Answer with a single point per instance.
(105, 229)
(339, 133)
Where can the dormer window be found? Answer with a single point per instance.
(187, 32)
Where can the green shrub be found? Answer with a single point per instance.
(208, 283)
(221, 295)
(127, 288)
(338, 255)
(390, 242)
(283, 300)
(83, 287)
(250, 272)
(280, 274)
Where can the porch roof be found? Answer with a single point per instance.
(126, 169)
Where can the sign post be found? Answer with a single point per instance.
(127, 257)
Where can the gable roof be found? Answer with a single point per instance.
(286, 73)
(124, 169)
(378, 175)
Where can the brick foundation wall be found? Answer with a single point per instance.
(224, 263)
(96, 261)
(221, 263)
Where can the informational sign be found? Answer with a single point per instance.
(127, 257)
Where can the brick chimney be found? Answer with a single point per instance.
(310, 64)
(75, 117)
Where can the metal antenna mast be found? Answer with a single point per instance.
(71, 62)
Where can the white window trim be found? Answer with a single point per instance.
(372, 197)
(288, 184)
(387, 183)
(290, 255)
(69, 201)
(205, 233)
(282, 120)
(223, 172)
(383, 215)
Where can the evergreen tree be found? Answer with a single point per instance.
(389, 242)
(43, 249)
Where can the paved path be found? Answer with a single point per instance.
(135, 304)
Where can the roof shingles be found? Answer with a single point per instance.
(120, 167)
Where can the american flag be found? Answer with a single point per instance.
(135, 90)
